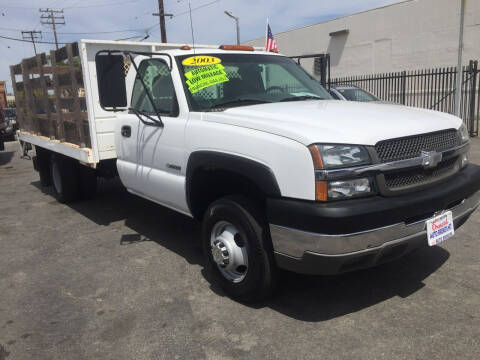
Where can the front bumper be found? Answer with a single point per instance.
(337, 237)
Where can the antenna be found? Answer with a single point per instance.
(191, 26)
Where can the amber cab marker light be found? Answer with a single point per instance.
(185, 47)
(321, 193)
(316, 156)
(236, 47)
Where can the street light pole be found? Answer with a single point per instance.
(237, 20)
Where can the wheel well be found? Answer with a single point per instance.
(208, 185)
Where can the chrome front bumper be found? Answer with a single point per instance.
(295, 243)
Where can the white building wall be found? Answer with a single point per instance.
(414, 34)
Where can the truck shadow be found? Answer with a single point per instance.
(6, 157)
(320, 298)
(305, 298)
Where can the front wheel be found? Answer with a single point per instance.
(238, 249)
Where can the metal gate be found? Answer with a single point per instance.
(429, 88)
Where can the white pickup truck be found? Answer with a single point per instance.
(280, 175)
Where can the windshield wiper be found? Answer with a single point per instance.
(301, 98)
(239, 102)
(140, 114)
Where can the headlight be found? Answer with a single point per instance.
(331, 157)
(338, 156)
(349, 188)
(463, 134)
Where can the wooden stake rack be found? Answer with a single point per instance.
(50, 96)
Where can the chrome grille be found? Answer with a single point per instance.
(412, 146)
(416, 177)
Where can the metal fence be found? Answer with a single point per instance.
(429, 89)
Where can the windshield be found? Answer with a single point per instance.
(357, 95)
(228, 80)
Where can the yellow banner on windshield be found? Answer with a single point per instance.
(201, 61)
(205, 76)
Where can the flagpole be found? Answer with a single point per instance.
(266, 35)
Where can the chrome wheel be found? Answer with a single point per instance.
(229, 251)
(57, 181)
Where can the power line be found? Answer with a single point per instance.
(33, 35)
(101, 5)
(52, 20)
(80, 33)
(23, 40)
(75, 7)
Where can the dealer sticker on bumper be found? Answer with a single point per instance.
(440, 228)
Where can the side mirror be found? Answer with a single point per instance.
(111, 81)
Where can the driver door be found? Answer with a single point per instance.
(150, 157)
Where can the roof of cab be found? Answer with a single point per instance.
(175, 49)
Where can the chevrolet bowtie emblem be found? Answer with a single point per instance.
(430, 159)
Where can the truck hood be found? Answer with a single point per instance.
(332, 121)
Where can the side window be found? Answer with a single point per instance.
(277, 76)
(158, 80)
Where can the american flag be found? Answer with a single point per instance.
(271, 45)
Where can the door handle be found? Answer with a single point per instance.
(126, 131)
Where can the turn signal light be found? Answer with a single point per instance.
(317, 158)
(321, 193)
(185, 47)
(236, 47)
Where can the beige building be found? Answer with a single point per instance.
(412, 34)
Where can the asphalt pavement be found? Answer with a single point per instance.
(119, 277)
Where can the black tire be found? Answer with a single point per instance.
(261, 276)
(43, 166)
(88, 182)
(64, 175)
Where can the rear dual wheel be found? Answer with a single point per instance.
(64, 175)
(238, 249)
(70, 180)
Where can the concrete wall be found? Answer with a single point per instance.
(413, 34)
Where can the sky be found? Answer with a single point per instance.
(120, 19)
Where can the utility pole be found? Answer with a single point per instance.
(32, 36)
(161, 14)
(52, 20)
(458, 89)
(237, 21)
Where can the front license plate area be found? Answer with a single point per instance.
(440, 228)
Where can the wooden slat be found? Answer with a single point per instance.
(62, 53)
(18, 86)
(17, 69)
(76, 100)
(31, 63)
(43, 82)
(29, 103)
(65, 79)
(60, 126)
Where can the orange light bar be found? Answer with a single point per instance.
(185, 47)
(237, 47)
(321, 193)
(317, 158)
